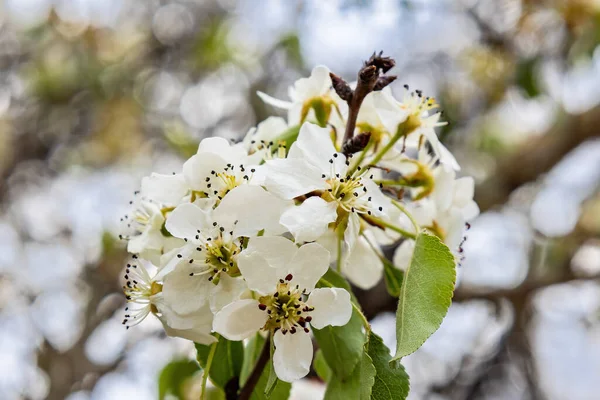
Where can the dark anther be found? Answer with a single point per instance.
(288, 277)
(262, 307)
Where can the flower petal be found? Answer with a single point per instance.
(352, 231)
(164, 189)
(403, 254)
(380, 203)
(199, 326)
(239, 320)
(329, 240)
(443, 191)
(315, 146)
(199, 167)
(308, 221)
(332, 307)
(228, 290)
(289, 178)
(293, 355)
(217, 145)
(464, 189)
(309, 264)
(316, 85)
(254, 209)
(276, 250)
(195, 335)
(273, 101)
(265, 260)
(446, 157)
(184, 293)
(186, 219)
(362, 266)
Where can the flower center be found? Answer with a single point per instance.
(348, 192)
(220, 256)
(218, 184)
(286, 308)
(140, 291)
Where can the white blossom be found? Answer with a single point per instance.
(284, 276)
(205, 270)
(144, 295)
(314, 168)
(305, 93)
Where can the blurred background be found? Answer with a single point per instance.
(95, 94)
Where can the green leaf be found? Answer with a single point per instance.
(226, 364)
(426, 294)
(342, 346)
(272, 381)
(251, 352)
(357, 386)
(173, 376)
(391, 381)
(320, 366)
(393, 279)
(280, 391)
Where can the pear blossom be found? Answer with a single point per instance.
(145, 223)
(284, 277)
(445, 212)
(144, 293)
(217, 168)
(315, 170)
(158, 195)
(308, 94)
(413, 115)
(261, 142)
(205, 269)
(166, 190)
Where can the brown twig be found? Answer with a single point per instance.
(262, 361)
(369, 79)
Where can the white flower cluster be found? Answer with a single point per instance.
(237, 242)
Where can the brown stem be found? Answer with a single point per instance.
(367, 78)
(262, 361)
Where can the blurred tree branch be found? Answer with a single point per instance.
(536, 157)
(72, 370)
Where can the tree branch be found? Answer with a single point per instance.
(262, 361)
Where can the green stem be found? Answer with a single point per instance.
(401, 207)
(209, 360)
(377, 252)
(363, 318)
(390, 144)
(393, 227)
(338, 262)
